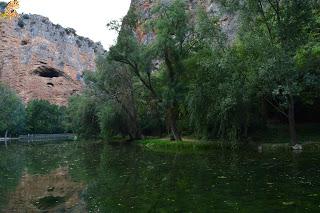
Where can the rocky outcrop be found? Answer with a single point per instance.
(228, 20)
(41, 60)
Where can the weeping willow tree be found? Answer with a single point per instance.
(112, 85)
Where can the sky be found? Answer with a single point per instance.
(89, 18)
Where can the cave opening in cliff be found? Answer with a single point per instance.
(50, 84)
(48, 72)
(24, 42)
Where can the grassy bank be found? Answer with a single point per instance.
(187, 145)
(195, 146)
(275, 138)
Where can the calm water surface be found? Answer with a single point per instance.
(72, 177)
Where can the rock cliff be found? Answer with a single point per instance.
(228, 20)
(41, 60)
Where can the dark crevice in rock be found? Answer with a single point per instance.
(74, 92)
(50, 84)
(24, 42)
(48, 72)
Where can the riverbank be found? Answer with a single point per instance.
(279, 134)
(274, 138)
(194, 146)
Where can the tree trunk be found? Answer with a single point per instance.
(136, 130)
(292, 122)
(5, 138)
(133, 124)
(264, 111)
(173, 110)
(129, 106)
(136, 127)
(173, 116)
(158, 116)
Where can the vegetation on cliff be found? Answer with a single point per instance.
(189, 79)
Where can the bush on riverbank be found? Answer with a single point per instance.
(194, 146)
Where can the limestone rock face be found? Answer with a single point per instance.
(41, 60)
(228, 21)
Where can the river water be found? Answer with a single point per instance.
(93, 177)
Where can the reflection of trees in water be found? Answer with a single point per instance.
(133, 180)
(11, 167)
(128, 178)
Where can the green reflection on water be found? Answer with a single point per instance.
(130, 179)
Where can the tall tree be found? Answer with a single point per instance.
(83, 115)
(286, 25)
(132, 52)
(112, 85)
(174, 42)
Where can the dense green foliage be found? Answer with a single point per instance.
(37, 117)
(12, 112)
(82, 113)
(185, 76)
(45, 118)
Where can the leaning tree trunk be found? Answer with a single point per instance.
(134, 126)
(292, 122)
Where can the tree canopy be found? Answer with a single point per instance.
(184, 76)
(12, 112)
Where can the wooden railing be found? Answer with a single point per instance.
(38, 138)
(45, 137)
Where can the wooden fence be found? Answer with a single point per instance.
(38, 138)
(45, 137)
